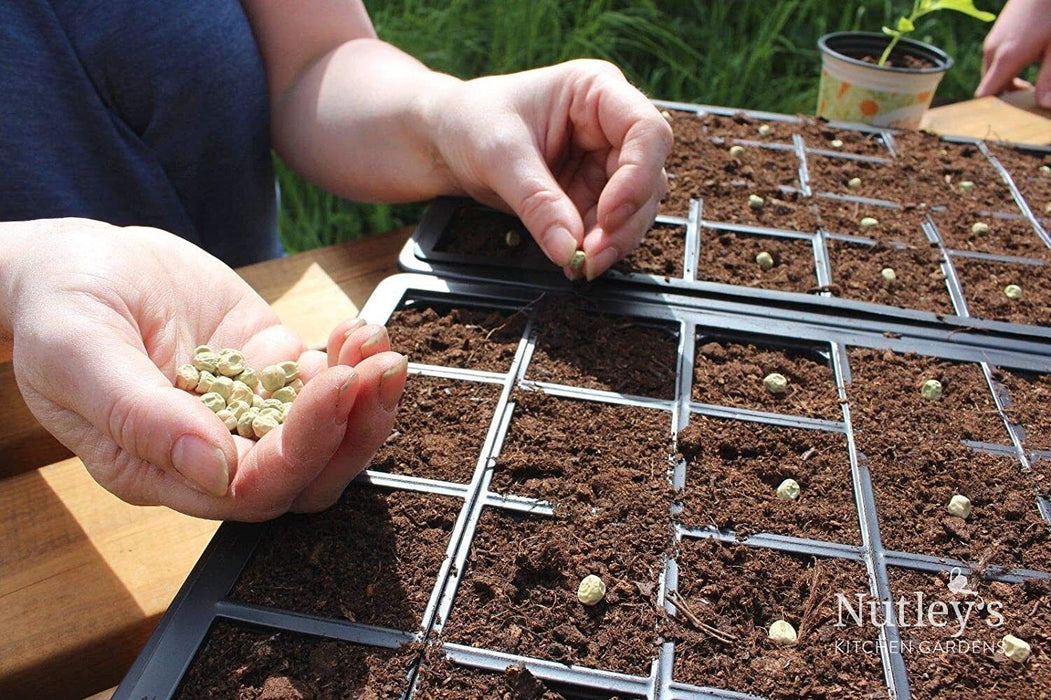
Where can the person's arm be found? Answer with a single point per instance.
(1021, 35)
(573, 149)
(99, 329)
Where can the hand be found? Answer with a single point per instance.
(573, 149)
(102, 316)
(1021, 35)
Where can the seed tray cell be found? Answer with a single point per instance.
(584, 517)
(729, 257)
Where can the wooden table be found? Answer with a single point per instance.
(84, 577)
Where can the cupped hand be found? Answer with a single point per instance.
(1021, 35)
(101, 318)
(573, 149)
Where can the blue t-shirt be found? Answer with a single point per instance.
(137, 112)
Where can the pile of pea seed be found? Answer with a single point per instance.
(229, 387)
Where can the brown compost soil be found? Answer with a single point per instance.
(729, 258)
(586, 348)
(439, 430)
(731, 374)
(983, 284)
(919, 281)
(954, 660)
(661, 252)
(1030, 405)
(733, 470)
(1024, 168)
(1013, 236)
(372, 558)
(480, 339)
(784, 211)
(441, 679)
(478, 231)
(742, 590)
(254, 663)
(818, 134)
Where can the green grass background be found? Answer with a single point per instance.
(756, 54)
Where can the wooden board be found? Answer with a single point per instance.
(311, 292)
(84, 577)
(1013, 116)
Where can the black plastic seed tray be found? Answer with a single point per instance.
(206, 596)
(525, 264)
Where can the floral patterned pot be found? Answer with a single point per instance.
(853, 90)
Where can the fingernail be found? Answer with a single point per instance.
(346, 399)
(354, 325)
(202, 463)
(601, 261)
(559, 245)
(391, 384)
(373, 340)
(619, 216)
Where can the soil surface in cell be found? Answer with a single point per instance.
(439, 429)
(697, 163)
(729, 258)
(784, 211)
(519, 589)
(889, 412)
(1030, 404)
(242, 661)
(919, 282)
(733, 470)
(586, 455)
(930, 171)
(970, 665)
(372, 558)
(829, 174)
(818, 134)
(731, 374)
(1005, 236)
(662, 253)
(984, 282)
(742, 590)
(482, 339)
(441, 679)
(579, 346)
(480, 232)
(1024, 167)
(892, 223)
(913, 486)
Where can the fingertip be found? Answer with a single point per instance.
(339, 336)
(364, 342)
(559, 245)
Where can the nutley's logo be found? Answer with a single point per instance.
(962, 608)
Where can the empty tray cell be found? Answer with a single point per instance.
(477, 231)
(439, 429)
(730, 258)
(1014, 236)
(960, 657)
(918, 281)
(245, 661)
(1024, 167)
(741, 591)
(519, 592)
(818, 134)
(785, 211)
(913, 486)
(931, 171)
(828, 174)
(1029, 405)
(846, 217)
(580, 347)
(464, 337)
(662, 253)
(586, 455)
(733, 470)
(731, 374)
(442, 679)
(372, 558)
(984, 284)
(890, 414)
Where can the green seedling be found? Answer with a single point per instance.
(920, 8)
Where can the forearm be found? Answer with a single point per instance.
(358, 122)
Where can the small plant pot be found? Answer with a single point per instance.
(855, 90)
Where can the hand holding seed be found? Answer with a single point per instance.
(100, 333)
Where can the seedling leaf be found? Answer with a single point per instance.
(965, 6)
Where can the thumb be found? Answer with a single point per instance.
(117, 388)
(522, 179)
